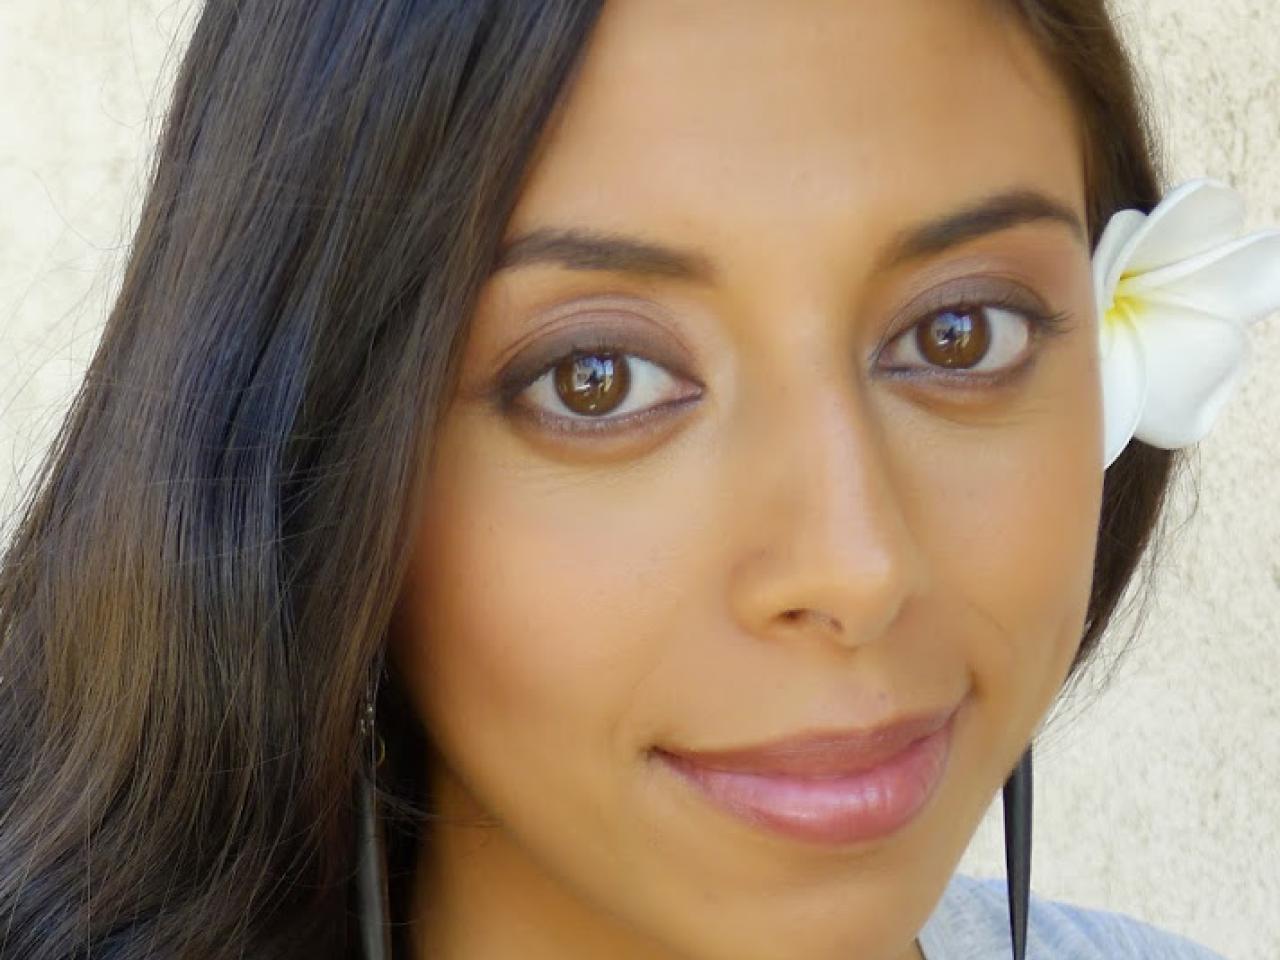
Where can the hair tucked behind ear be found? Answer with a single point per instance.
(206, 567)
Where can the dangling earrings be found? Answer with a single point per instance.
(1017, 850)
(375, 927)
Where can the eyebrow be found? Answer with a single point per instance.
(579, 249)
(989, 215)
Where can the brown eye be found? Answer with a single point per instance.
(986, 340)
(596, 388)
(591, 383)
(954, 338)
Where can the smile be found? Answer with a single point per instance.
(825, 789)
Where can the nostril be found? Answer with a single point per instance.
(794, 615)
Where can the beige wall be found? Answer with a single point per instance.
(1157, 797)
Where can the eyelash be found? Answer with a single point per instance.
(1041, 324)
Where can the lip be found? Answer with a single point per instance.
(821, 753)
(826, 786)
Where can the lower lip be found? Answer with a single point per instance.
(841, 810)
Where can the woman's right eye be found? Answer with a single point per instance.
(598, 389)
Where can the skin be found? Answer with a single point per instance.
(808, 541)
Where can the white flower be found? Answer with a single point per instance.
(1175, 290)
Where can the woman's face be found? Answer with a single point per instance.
(824, 468)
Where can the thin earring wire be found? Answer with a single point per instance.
(371, 867)
(1017, 850)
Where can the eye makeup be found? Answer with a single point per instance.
(1014, 319)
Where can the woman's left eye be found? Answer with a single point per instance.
(983, 343)
(598, 389)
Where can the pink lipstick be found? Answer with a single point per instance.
(826, 786)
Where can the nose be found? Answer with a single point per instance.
(823, 515)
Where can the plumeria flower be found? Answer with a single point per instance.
(1176, 289)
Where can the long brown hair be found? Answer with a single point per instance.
(202, 576)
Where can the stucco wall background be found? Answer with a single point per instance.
(1156, 792)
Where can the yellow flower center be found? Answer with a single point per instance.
(1125, 305)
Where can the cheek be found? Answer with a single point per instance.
(1015, 538)
(522, 628)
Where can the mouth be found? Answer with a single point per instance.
(825, 786)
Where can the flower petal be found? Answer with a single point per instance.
(1239, 280)
(1193, 362)
(1124, 390)
(1107, 265)
(1195, 216)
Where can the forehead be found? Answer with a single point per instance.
(805, 121)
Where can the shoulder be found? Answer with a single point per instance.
(971, 922)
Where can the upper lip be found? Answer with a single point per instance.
(821, 752)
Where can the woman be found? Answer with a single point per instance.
(664, 443)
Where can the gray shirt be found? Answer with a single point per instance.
(971, 922)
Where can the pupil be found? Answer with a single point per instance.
(592, 382)
(954, 340)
